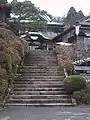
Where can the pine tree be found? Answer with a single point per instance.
(3, 1)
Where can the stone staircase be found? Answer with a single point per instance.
(39, 82)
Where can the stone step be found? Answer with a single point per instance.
(37, 64)
(39, 100)
(43, 59)
(40, 82)
(39, 89)
(39, 74)
(39, 96)
(42, 62)
(39, 77)
(62, 92)
(42, 56)
(39, 71)
(42, 53)
(40, 104)
(38, 85)
(39, 67)
(37, 82)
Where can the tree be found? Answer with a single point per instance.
(27, 10)
(73, 16)
(31, 16)
(3, 1)
(64, 57)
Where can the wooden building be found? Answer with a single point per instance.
(55, 27)
(43, 40)
(69, 34)
(37, 40)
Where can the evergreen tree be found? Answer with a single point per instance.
(3, 1)
(27, 11)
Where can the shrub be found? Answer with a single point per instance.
(64, 57)
(74, 83)
(84, 96)
(12, 52)
(81, 97)
(77, 96)
(3, 83)
(88, 93)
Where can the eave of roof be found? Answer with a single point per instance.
(2, 6)
(70, 29)
(38, 33)
(64, 32)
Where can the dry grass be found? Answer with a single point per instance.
(12, 52)
(64, 57)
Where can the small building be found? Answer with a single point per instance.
(37, 40)
(55, 27)
(48, 29)
(69, 34)
(43, 39)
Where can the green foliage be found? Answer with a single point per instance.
(88, 93)
(74, 83)
(77, 96)
(34, 25)
(82, 96)
(26, 10)
(3, 1)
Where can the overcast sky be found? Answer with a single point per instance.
(60, 7)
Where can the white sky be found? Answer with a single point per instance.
(61, 7)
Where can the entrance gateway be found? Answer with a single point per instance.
(37, 40)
